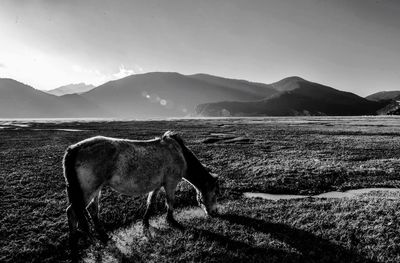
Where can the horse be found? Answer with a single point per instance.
(133, 168)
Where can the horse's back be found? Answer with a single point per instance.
(145, 165)
(95, 150)
(129, 166)
(94, 161)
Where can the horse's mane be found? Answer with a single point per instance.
(175, 136)
(188, 154)
(190, 157)
(193, 163)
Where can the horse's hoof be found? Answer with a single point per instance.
(86, 235)
(147, 233)
(104, 238)
(213, 214)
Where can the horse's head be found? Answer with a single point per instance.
(199, 176)
(207, 198)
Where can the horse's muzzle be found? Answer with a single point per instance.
(213, 211)
(213, 214)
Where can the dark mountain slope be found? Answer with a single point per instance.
(302, 98)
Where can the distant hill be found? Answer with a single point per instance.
(166, 94)
(287, 84)
(384, 95)
(18, 100)
(71, 89)
(296, 97)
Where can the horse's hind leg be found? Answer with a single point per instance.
(95, 214)
(150, 200)
(73, 233)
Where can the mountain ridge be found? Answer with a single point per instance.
(171, 94)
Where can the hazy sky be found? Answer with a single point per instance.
(351, 45)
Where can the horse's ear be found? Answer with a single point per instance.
(214, 175)
(173, 135)
(209, 170)
(168, 134)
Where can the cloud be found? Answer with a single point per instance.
(80, 69)
(123, 72)
(2, 69)
(96, 77)
(137, 69)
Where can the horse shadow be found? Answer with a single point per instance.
(241, 251)
(310, 247)
(117, 255)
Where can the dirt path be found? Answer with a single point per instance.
(333, 194)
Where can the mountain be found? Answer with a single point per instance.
(296, 97)
(18, 100)
(384, 95)
(167, 94)
(71, 89)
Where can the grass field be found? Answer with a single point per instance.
(304, 155)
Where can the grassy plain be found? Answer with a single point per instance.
(304, 155)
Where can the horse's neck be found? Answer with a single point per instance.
(196, 181)
(193, 175)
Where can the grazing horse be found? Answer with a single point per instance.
(133, 168)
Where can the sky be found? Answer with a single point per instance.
(351, 45)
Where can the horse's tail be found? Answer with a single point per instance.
(74, 190)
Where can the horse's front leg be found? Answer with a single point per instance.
(170, 200)
(150, 199)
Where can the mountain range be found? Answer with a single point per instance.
(18, 100)
(168, 94)
(296, 96)
(71, 89)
